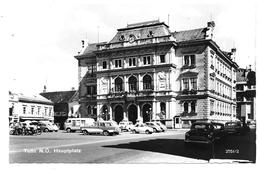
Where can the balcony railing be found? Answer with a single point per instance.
(187, 114)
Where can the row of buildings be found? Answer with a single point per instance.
(146, 72)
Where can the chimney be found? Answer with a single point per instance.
(82, 42)
(72, 88)
(249, 69)
(210, 29)
(44, 89)
(233, 54)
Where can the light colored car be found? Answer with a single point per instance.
(126, 125)
(101, 127)
(142, 128)
(156, 128)
(162, 126)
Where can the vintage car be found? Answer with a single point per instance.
(142, 128)
(156, 128)
(204, 132)
(101, 127)
(126, 125)
(236, 127)
(162, 126)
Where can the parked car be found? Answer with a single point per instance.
(101, 127)
(126, 125)
(236, 127)
(156, 128)
(142, 128)
(219, 129)
(162, 126)
(204, 132)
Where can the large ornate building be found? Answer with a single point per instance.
(146, 72)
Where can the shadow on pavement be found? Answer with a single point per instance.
(232, 147)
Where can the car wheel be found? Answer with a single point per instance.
(46, 130)
(154, 130)
(68, 130)
(105, 133)
(147, 132)
(11, 132)
(134, 131)
(85, 132)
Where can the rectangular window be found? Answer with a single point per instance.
(147, 60)
(88, 90)
(50, 111)
(39, 109)
(192, 59)
(162, 58)
(193, 83)
(24, 109)
(32, 110)
(118, 63)
(94, 90)
(186, 84)
(186, 60)
(45, 111)
(132, 62)
(104, 64)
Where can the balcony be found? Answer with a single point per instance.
(187, 92)
(188, 114)
(192, 66)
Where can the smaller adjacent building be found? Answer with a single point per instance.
(65, 105)
(22, 108)
(246, 94)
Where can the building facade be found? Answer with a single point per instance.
(246, 94)
(146, 72)
(23, 108)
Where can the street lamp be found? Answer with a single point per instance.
(106, 114)
(150, 113)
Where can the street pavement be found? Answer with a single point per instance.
(167, 147)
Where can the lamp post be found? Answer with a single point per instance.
(150, 113)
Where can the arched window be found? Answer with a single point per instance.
(186, 107)
(118, 84)
(147, 82)
(132, 83)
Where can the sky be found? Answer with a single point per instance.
(42, 37)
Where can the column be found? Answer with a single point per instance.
(125, 84)
(124, 113)
(110, 112)
(139, 117)
(155, 81)
(98, 111)
(153, 110)
(140, 85)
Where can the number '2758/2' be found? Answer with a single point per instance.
(232, 151)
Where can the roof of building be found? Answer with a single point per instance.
(187, 35)
(60, 96)
(33, 98)
(142, 30)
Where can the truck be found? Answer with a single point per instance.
(74, 124)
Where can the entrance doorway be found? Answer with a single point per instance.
(119, 111)
(132, 113)
(147, 112)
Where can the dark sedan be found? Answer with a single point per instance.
(204, 132)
